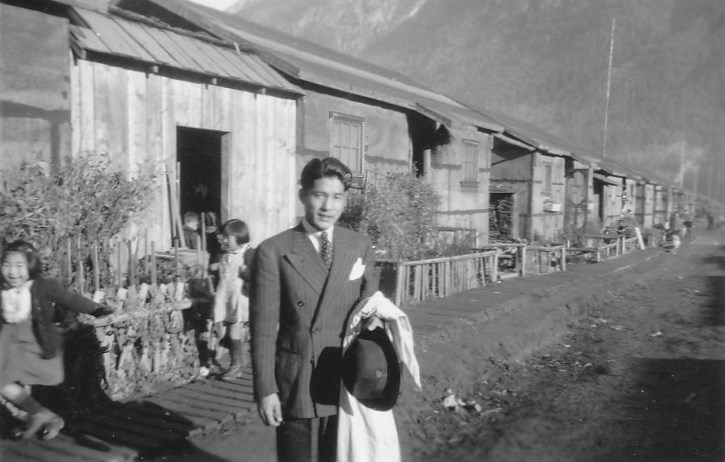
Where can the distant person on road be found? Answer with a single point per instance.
(687, 225)
(30, 343)
(306, 280)
(231, 301)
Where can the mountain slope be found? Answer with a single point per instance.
(546, 62)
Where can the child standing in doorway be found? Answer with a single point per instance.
(231, 302)
(30, 344)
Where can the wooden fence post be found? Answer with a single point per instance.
(523, 261)
(494, 269)
(399, 283)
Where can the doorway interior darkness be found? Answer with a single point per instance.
(199, 157)
(501, 216)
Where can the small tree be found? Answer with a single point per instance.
(86, 200)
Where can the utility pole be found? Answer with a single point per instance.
(682, 164)
(609, 85)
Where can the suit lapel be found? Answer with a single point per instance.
(306, 261)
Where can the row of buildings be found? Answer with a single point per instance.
(235, 110)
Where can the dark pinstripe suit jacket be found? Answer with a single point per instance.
(298, 311)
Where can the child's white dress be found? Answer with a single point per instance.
(20, 353)
(231, 303)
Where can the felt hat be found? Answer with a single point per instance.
(371, 371)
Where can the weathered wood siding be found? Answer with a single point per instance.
(645, 204)
(134, 116)
(661, 205)
(34, 88)
(386, 140)
(580, 206)
(612, 202)
(464, 206)
(629, 196)
(547, 225)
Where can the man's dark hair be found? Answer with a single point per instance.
(238, 229)
(326, 167)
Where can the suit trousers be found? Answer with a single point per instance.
(307, 440)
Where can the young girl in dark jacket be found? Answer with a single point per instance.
(29, 339)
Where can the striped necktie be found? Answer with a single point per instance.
(326, 249)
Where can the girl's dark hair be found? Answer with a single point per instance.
(320, 168)
(238, 229)
(35, 266)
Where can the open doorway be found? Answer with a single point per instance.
(199, 157)
(502, 217)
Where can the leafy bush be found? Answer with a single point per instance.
(85, 201)
(397, 210)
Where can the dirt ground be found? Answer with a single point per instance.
(638, 378)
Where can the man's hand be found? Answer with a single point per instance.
(373, 322)
(270, 410)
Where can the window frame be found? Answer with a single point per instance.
(358, 170)
(470, 165)
(547, 183)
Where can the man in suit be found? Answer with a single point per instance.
(306, 281)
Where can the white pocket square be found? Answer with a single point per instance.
(358, 269)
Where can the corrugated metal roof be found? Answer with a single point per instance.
(321, 66)
(111, 35)
(607, 179)
(538, 138)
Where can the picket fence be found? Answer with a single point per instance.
(417, 281)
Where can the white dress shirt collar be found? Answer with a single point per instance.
(314, 233)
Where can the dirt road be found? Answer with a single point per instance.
(640, 379)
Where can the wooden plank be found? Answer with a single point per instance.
(85, 450)
(242, 384)
(208, 108)
(173, 423)
(137, 122)
(75, 110)
(154, 153)
(87, 114)
(118, 436)
(239, 395)
(55, 450)
(117, 128)
(101, 105)
(200, 417)
(168, 154)
(150, 410)
(233, 405)
(208, 407)
(137, 427)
